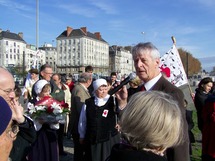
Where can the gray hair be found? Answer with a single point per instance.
(145, 47)
(84, 77)
(153, 120)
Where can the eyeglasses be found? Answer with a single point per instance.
(48, 72)
(13, 131)
(8, 91)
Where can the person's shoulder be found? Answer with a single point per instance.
(91, 99)
(126, 153)
(66, 86)
(168, 86)
(77, 86)
(211, 98)
(78, 90)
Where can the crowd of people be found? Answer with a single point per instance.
(146, 121)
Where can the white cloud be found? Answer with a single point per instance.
(115, 25)
(91, 8)
(79, 10)
(14, 5)
(105, 6)
(207, 3)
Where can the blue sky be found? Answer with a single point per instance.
(120, 22)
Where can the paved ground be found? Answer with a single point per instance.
(68, 148)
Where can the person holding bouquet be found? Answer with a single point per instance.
(45, 111)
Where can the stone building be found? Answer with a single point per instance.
(78, 48)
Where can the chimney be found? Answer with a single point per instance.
(84, 29)
(20, 34)
(69, 30)
(98, 36)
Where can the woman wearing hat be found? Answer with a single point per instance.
(98, 120)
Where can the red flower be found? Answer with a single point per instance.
(65, 105)
(47, 101)
(50, 110)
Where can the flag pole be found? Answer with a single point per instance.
(173, 40)
(191, 92)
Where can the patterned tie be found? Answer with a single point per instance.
(143, 88)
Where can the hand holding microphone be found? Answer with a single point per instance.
(130, 77)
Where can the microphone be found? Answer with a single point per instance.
(130, 77)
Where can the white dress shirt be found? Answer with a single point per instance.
(148, 85)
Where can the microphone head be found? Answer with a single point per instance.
(132, 76)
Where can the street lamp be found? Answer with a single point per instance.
(37, 23)
(52, 43)
(143, 35)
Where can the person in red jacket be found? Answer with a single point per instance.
(208, 130)
(70, 83)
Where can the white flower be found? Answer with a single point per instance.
(40, 108)
(31, 108)
(57, 108)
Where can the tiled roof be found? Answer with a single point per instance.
(79, 33)
(10, 35)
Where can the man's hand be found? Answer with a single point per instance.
(122, 96)
(17, 111)
(118, 127)
(192, 96)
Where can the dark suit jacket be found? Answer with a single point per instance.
(181, 152)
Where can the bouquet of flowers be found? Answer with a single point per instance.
(48, 110)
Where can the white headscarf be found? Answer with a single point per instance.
(39, 85)
(99, 82)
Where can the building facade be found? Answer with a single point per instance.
(121, 61)
(16, 53)
(12, 50)
(78, 48)
(34, 58)
(50, 55)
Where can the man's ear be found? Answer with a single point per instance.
(157, 61)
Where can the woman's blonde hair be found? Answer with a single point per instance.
(153, 120)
